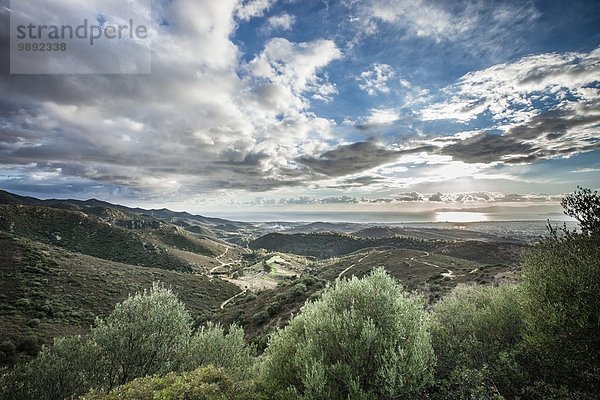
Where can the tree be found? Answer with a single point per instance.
(476, 331)
(144, 335)
(560, 282)
(363, 339)
(584, 206)
(58, 372)
(211, 346)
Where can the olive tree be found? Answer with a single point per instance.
(363, 339)
(560, 284)
(584, 206)
(476, 331)
(212, 346)
(144, 335)
(62, 370)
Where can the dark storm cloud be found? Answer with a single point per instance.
(356, 157)
(555, 124)
(486, 148)
(556, 133)
(168, 130)
(363, 180)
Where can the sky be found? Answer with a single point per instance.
(385, 105)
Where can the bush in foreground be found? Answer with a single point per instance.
(364, 339)
(560, 298)
(144, 335)
(58, 372)
(476, 334)
(206, 383)
(212, 346)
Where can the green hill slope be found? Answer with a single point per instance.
(327, 245)
(48, 291)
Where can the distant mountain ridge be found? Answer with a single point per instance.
(151, 238)
(81, 205)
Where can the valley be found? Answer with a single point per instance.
(66, 262)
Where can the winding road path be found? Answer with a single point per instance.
(347, 269)
(424, 262)
(222, 264)
(223, 304)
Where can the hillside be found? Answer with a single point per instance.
(69, 261)
(91, 235)
(83, 205)
(329, 244)
(48, 291)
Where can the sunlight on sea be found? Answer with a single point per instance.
(459, 216)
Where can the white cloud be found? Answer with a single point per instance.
(195, 125)
(508, 91)
(325, 91)
(376, 117)
(485, 29)
(294, 65)
(381, 116)
(253, 8)
(424, 18)
(375, 79)
(281, 21)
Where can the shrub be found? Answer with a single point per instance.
(560, 286)
(260, 317)
(33, 323)
(274, 308)
(29, 345)
(211, 346)
(476, 331)
(584, 206)
(58, 372)
(364, 339)
(8, 348)
(207, 383)
(145, 334)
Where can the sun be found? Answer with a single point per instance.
(460, 216)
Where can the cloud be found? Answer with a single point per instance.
(226, 112)
(424, 18)
(377, 117)
(557, 123)
(486, 148)
(482, 29)
(253, 8)
(355, 157)
(543, 106)
(556, 133)
(294, 66)
(511, 92)
(381, 116)
(204, 121)
(490, 198)
(374, 80)
(359, 181)
(281, 21)
(410, 196)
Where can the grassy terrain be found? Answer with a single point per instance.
(329, 244)
(82, 233)
(65, 262)
(94, 236)
(432, 274)
(48, 291)
(263, 311)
